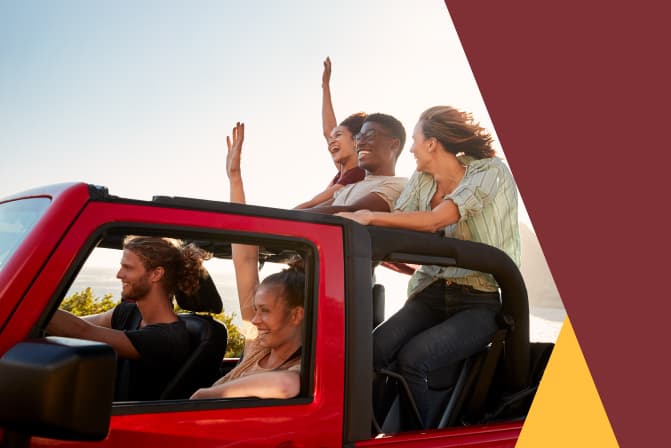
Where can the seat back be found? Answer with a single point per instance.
(459, 393)
(513, 404)
(208, 338)
(467, 402)
(378, 304)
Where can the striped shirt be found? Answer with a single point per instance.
(487, 201)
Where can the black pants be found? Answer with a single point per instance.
(438, 328)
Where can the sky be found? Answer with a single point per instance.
(140, 96)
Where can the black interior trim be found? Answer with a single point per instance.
(475, 256)
(357, 416)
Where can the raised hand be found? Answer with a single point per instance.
(328, 115)
(326, 74)
(234, 150)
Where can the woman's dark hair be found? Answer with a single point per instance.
(354, 122)
(291, 282)
(457, 132)
(183, 264)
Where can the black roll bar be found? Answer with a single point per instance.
(428, 248)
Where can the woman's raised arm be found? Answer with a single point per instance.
(245, 257)
(328, 115)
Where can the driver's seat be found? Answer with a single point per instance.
(208, 339)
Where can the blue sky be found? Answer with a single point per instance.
(139, 96)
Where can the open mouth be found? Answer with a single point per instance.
(363, 154)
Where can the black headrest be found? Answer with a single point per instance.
(203, 329)
(207, 299)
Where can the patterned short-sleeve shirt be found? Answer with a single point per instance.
(487, 201)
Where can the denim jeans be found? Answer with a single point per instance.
(437, 329)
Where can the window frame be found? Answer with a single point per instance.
(223, 236)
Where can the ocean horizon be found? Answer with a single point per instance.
(545, 322)
(103, 281)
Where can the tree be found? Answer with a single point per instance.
(84, 303)
(236, 341)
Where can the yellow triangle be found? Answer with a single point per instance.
(567, 410)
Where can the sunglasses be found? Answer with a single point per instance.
(369, 135)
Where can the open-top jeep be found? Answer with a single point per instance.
(60, 388)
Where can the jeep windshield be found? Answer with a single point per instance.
(17, 218)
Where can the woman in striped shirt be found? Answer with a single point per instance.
(462, 190)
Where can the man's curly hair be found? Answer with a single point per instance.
(183, 263)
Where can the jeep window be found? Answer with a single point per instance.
(17, 218)
(94, 289)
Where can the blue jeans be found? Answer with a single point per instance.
(436, 330)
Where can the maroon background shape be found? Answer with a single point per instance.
(579, 94)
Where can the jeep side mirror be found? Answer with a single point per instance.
(58, 388)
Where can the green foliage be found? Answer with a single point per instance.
(236, 341)
(84, 303)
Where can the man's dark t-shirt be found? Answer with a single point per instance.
(163, 349)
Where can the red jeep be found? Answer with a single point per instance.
(60, 388)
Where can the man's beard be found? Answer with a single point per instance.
(137, 290)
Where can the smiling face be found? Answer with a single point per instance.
(421, 149)
(376, 149)
(277, 324)
(341, 145)
(135, 278)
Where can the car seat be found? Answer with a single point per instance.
(378, 304)
(208, 339)
(458, 390)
